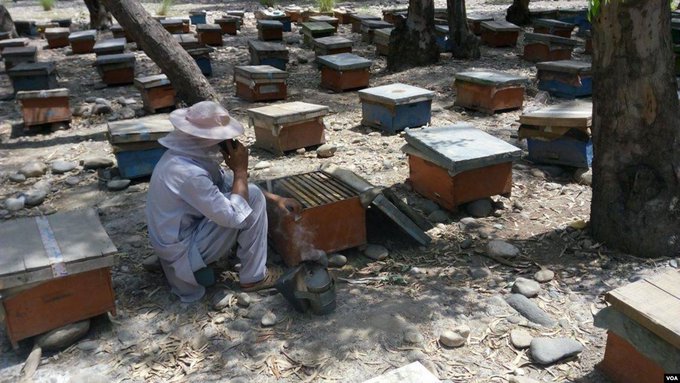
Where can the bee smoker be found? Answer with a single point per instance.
(308, 287)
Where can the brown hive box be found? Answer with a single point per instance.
(14, 56)
(40, 107)
(270, 30)
(83, 41)
(210, 34)
(368, 28)
(229, 24)
(475, 23)
(174, 26)
(260, 83)
(381, 39)
(331, 45)
(294, 13)
(157, 92)
(118, 69)
(539, 47)
(499, 33)
(489, 91)
(344, 71)
(57, 37)
(109, 47)
(54, 270)
(283, 127)
(343, 15)
(553, 27)
(356, 20)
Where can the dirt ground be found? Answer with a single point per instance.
(154, 337)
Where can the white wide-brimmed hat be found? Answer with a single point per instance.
(206, 119)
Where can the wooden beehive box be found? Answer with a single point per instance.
(643, 337)
(539, 47)
(135, 143)
(83, 41)
(229, 24)
(188, 41)
(109, 47)
(390, 15)
(157, 92)
(202, 58)
(64, 23)
(26, 28)
(381, 39)
(57, 37)
(294, 13)
(565, 78)
(33, 76)
(263, 53)
(5, 35)
(312, 30)
(356, 20)
(41, 26)
(14, 56)
(442, 37)
(174, 26)
(499, 33)
(332, 217)
(260, 83)
(489, 91)
(54, 270)
(275, 15)
(325, 19)
(241, 14)
(269, 30)
(553, 27)
(456, 164)
(368, 28)
(210, 34)
(119, 33)
(475, 22)
(343, 15)
(18, 42)
(283, 127)
(332, 45)
(197, 17)
(344, 71)
(41, 107)
(396, 106)
(117, 69)
(559, 134)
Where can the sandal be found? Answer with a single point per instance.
(267, 282)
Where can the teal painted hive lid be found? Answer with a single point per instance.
(115, 59)
(19, 52)
(153, 81)
(549, 39)
(478, 18)
(263, 46)
(142, 129)
(375, 24)
(344, 61)
(260, 72)
(551, 23)
(491, 77)
(565, 66)
(269, 24)
(19, 42)
(396, 94)
(33, 69)
(500, 26)
(317, 27)
(333, 42)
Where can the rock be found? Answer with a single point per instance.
(301, 151)
(64, 336)
(262, 165)
(376, 252)
(116, 185)
(544, 275)
(82, 110)
(522, 379)
(500, 248)
(151, 263)
(17, 177)
(126, 113)
(527, 287)
(60, 167)
(101, 109)
(97, 162)
(337, 260)
(199, 340)
(88, 345)
(477, 272)
(33, 169)
(548, 351)
(35, 197)
(303, 60)
(479, 208)
(14, 204)
(221, 299)
(673, 263)
(584, 176)
(485, 232)
(72, 181)
(521, 339)
(102, 101)
(428, 206)
(438, 216)
(469, 223)
(91, 99)
(466, 243)
(243, 299)
(326, 150)
(413, 336)
(530, 310)
(451, 339)
(268, 319)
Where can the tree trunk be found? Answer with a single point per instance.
(100, 18)
(464, 44)
(413, 42)
(636, 170)
(6, 23)
(182, 71)
(518, 12)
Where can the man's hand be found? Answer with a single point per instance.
(236, 158)
(288, 205)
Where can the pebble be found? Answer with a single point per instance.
(438, 216)
(60, 167)
(469, 222)
(500, 248)
(673, 263)
(548, 351)
(17, 177)
(33, 169)
(82, 111)
(126, 113)
(466, 243)
(584, 176)
(14, 204)
(326, 150)
(63, 337)
(91, 99)
(530, 310)
(527, 287)
(88, 345)
(243, 299)
(97, 162)
(337, 260)
(268, 319)
(301, 151)
(477, 272)
(522, 379)
(221, 299)
(413, 336)
(116, 185)
(102, 101)
(262, 165)
(521, 339)
(151, 263)
(544, 275)
(35, 197)
(451, 339)
(72, 181)
(479, 208)
(428, 206)
(376, 252)
(102, 109)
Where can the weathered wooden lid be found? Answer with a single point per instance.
(45, 93)
(263, 46)
(500, 26)
(552, 23)
(109, 45)
(46, 24)
(344, 61)
(238, 13)
(19, 51)
(32, 69)
(187, 41)
(143, 129)
(375, 24)
(90, 34)
(172, 22)
(549, 39)
(359, 17)
(323, 19)
(396, 94)
(478, 18)
(441, 29)
(4, 35)
(18, 42)
(115, 59)
(42, 248)
(269, 24)
(459, 147)
(57, 32)
(382, 36)
(116, 28)
(228, 20)
(317, 27)
(491, 77)
(333, 42)
(289, 112)
(565, 66)
(200, 52)
(208, 27)
(343, 10)
(260, 72)
(154, 81)
(197, 13)
(575, 114)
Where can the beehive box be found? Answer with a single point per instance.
(174, 26)
(499, 33)
(54, 270)
(356, 20)
(489, 91)
(210, 34)
(57, 37)
(283, 127)
(5, 35)
(14, 56)
(442, 37)
(202, 58)
(275, 15)
(83, 41)
(64, 23)
(18, 42)
(33, 76)
(578, 17)
(135, 143)
(565, 78)
(117, 69)
(475, 22)
(269, 30)
(396, 106)
(456, 164)
(553, 27)
(368, 28)
(188, 41)
(263, 53)
(229, 25)
(343, 15)
(260, 83)
(41, 107)
(539, 47)
(294, 13)
(390, 15)
(241, 14)
(197, 17)
(119, 33)
(109, 47)
(26, 28)
(332, 45)
(344, 71)
(312, 30)
(41, 26)
(381, 39)
(157, 92)
(325, 19)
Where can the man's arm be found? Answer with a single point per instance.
(236, 158)
(288, 205)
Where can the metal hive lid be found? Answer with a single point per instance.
(312, 189)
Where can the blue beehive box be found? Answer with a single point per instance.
(197, 17)
(578, 17)
(202, 58)
(565, 78)
(264, 53)
(396, 106)
(561, 151)
(442, 37)
(33, 76)
(135, 143)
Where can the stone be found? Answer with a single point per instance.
(337, 260)
(428, 206)
(326, 150)
(243, 299)
(61, 167)
(438, 216)
(88, 345)
(82, 110)
(466, 243)
(301, 151)
(452, 339)
(117, 185)
(126, 113)
(469, 223)
(268, 319)
(479, 208)
(222, 299)
(91, 99)
(463, 330)
(376, 252)
(151, 263)
(17, 177)
(35, 197)
(63, 337)
(102, 101)
(72, 181)
(521, 339)
(101, 109)
(548, 351)
(522, 379)
(413, 336)
(584, 176)
(500, 248)
(33, 169)
(544, 275)
(673, 263)
(14, 204)
(478, 272)
(95, 162)
(262, 165)
(527, 287)
(530, 310)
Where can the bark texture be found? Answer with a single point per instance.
(518, 12)
(464, 44)
(6, 22)
(636, 170)
(413, 42)
(182, 71)
(100, 18)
